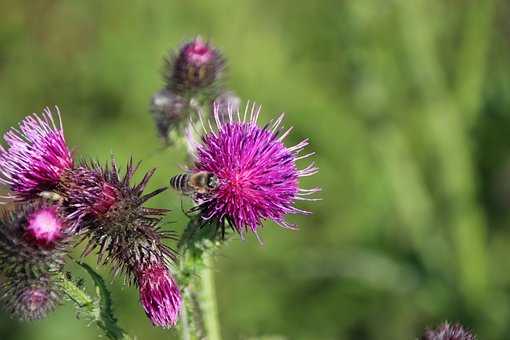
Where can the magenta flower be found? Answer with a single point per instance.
(36, 157)
(159, 295)
(257, 174)
(45, 226)
(448, 332)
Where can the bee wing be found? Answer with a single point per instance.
(184, 168)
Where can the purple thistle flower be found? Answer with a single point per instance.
(257, 174)
(28, 298)
(36, 157)
(196, 66)
(448, 332)
(159, 295)
(111, 214)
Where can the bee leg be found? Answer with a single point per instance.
(185, 212)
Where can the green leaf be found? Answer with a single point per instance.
(104, 317)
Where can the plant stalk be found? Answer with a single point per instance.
(209, 305)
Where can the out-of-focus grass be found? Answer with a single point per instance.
(406, 104)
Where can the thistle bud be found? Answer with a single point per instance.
(33, 238)
(159, 295)
(226, 102)
(196, 66)
(168, 111)
(29, 298)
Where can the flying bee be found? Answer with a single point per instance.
(51, 196)
(201, 182)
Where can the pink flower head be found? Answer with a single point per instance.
(36, 156)
(159, 295)
(198, 52)
(256, 173)
(45, 226)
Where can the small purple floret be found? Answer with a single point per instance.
(36, 156)
(159, 295)
(45, 226)
(198, 52)
(257, 173)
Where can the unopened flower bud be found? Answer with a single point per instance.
(159, 295)
(196, 66)
(168, 111)
(226, 102)
(34, 238)
(29, 298)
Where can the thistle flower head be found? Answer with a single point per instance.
(33, 237)
(256, 173)
(197, 65)
(159, 295)
(110, 211)
(448, 332)
(36, 156)
(29, 298)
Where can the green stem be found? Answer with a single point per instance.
(91, 309)
(209, 307)
(78, 296)
(185, 328)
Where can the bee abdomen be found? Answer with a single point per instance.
(179, 182)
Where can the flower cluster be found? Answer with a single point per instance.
(194, 75)
(95, 202)
(241, 175)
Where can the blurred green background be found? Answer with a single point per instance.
(406, 103)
